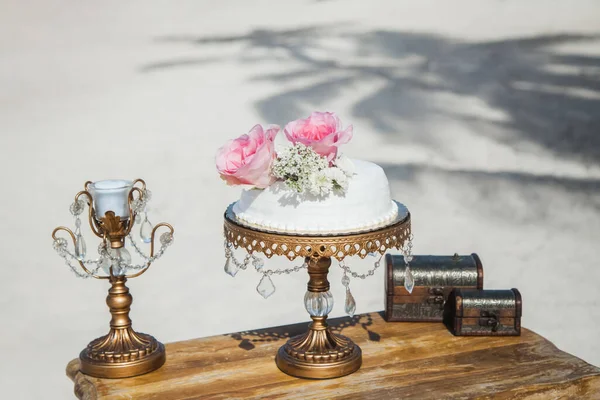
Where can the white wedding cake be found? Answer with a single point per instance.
(366, 204)
(306, 188)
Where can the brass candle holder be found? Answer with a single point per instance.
(113, 209)
(319, 353)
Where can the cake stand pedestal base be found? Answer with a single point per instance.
(319, 354)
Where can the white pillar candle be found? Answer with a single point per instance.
(111, 195)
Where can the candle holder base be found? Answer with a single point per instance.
(106, 358)
(319, 354)
(123, 352)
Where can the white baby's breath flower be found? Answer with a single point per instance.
(296, 164)
(320, 184)
(346, 165)
(338, 178)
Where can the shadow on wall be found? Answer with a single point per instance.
(526, 87)
(519, 197)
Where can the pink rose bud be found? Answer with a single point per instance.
(321, 131)
(247, 159)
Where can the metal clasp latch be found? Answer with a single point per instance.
(489, 318)
(437, 296)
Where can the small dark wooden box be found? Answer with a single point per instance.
(471, 312)
(435, 277)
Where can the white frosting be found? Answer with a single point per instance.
(366, 204)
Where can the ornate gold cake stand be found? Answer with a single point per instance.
(318, 353)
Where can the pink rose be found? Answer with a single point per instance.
(321, 131)
(247, 159)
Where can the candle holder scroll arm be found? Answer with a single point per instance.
(132, 211)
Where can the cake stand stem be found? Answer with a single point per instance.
(123, 352)
(319, 353)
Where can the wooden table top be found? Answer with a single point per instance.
(400, 361)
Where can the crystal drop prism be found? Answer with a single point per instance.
(350, 306)
(80, 248)
(409, 281)
(265, 287)
(146, 230)
(231, 268)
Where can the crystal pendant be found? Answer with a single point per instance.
(350, 306)
(231, 268)
(80, 248)
(409, 281)
(265, 287)
(146, 230)
(318, 304)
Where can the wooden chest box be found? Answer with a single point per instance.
(471, 312)
(434, 277)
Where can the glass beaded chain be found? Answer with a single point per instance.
(265, 286)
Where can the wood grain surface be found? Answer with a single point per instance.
(401, 360)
